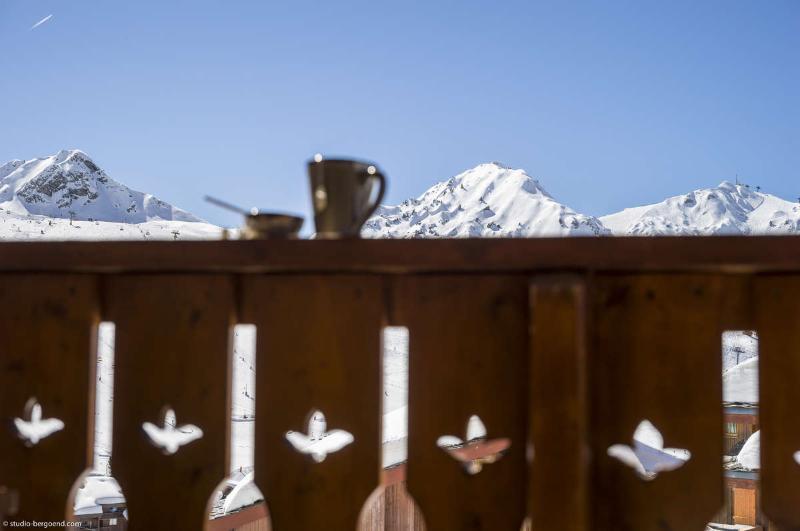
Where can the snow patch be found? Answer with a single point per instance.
(740, 383)
(750, 455)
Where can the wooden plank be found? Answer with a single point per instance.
(744, 506)
(252, 518)
(778, 325)
(559, 473)
(48, 328)
(391, 509)
(319, 348)
(172, 349)
(656, 355)
(468, 356)
(704, 253)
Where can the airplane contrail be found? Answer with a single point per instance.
(45, 19)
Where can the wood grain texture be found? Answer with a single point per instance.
(391, 508)
(732, 254)
(468, 355)
(558, 435)
(778, 325)
(252, 518)
(47, 334)
(172, 348)
(656, 355)
(319, 347)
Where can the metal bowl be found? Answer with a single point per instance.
(271, 226)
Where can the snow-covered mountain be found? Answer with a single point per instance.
(67, 196)
(493, 200)
(726, 209)
(488, 200)
(70, 185)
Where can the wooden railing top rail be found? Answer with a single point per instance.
(736, 254)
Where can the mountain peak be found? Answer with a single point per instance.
(487, 200)
(75, 156)
(738, 188)
(64, 154)
(494, 164)
(494, 174)
(728, 208)
(70, 185)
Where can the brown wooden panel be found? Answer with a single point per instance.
(390, 508)
(47, 333)
(559, 412)
(252, 518)
(778, 325)
(172, 348)
(319, 347)
(656, 355)
(468, 355)
(744, 506)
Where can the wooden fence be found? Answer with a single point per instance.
(561, 346)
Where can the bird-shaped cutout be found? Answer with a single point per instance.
(171, 437)
(476, 450)
(35, 428)
(319, 442)
(647, 456)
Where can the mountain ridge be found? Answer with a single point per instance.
(70, 185)
(726, 209)
(492, 199)
(67, 196)
(489, 200)
(38, 197)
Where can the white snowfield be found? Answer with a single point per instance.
(749, 456)
(740, 383)
(33, 228)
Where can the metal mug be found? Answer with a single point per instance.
(342, 195)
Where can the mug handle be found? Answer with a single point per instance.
(381, 191)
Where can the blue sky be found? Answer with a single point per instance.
(608, 105)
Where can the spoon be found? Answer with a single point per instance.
(263, 225)
(229, 206)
